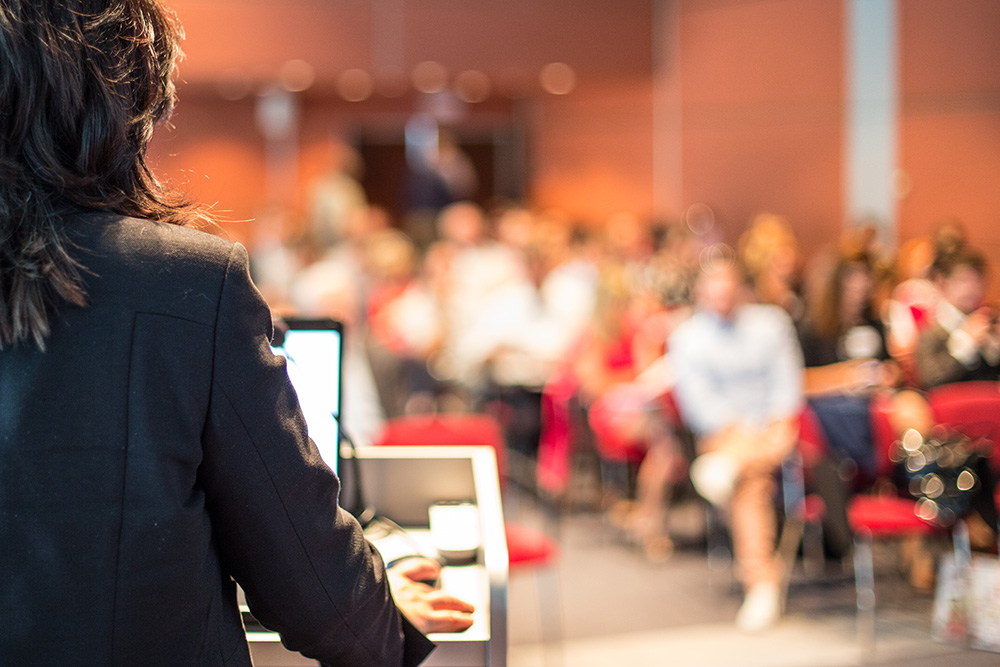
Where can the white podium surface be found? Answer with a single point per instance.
(401, 483)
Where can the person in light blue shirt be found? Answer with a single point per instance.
(738, 371)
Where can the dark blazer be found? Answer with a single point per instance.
(936, 366)
(154, 453)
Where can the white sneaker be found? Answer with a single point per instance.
(761, 608)
(714, 477)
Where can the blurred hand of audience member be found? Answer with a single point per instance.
(892, 375)
(979, 324)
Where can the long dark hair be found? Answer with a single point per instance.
(824, 312)
(82, 85)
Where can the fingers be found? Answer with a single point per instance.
(440, 601)
(429, 609)
(447, 621)
(432, 610)
(417, 569)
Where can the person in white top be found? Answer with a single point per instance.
(738, 371)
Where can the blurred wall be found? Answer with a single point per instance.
(592, 150)
(761, 90)
(754, 103)
(737, 104)
(589, 152)
(950, 119)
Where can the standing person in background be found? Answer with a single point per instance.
(738, 374)
(336, 198)
(153, 450)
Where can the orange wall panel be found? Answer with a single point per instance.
(592, 153)
(761, 116)
(791, 169)
(214, 154)
(761, 50)
(519, 36)
(950, 125)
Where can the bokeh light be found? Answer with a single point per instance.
(430, 77)
(472, 86)
(700, 219)
(296, 76)
(355, 85)
(558, 78)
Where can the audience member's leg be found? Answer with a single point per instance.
(756, 455)
(653, 486)
(828, 482)
(752, 519)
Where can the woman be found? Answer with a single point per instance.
(847, 363)
(151, 445)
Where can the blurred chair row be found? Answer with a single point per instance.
(880, 511)
(878, 508)
(877, 511)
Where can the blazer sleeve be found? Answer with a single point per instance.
(305, 567)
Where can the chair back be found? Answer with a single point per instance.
(450, 429)
(972, 408)
(883, 435)
(812, 444)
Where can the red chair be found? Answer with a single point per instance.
(973, 409)
(804, 511)
(526, 547)
(619, 452)
(879, 516)
(447, 431)
(557, 441)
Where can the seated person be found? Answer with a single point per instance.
(911, 305)
(738, 374)
(846, 358)
(963, 344)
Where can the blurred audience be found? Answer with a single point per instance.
(912, 303)
(912, 306)
(482, 297)
(329, 288)
(404, 324)
(846, 356)
(847, 361)
(336, 197)
(560, 330)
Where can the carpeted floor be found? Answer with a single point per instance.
(619, 609)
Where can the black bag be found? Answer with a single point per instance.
(941, 473)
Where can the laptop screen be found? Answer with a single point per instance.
(313, 349)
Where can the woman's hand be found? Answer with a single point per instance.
(428, 609)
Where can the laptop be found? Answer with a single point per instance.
(313, 349)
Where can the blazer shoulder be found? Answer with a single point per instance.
(170, 244)
(154, 266)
